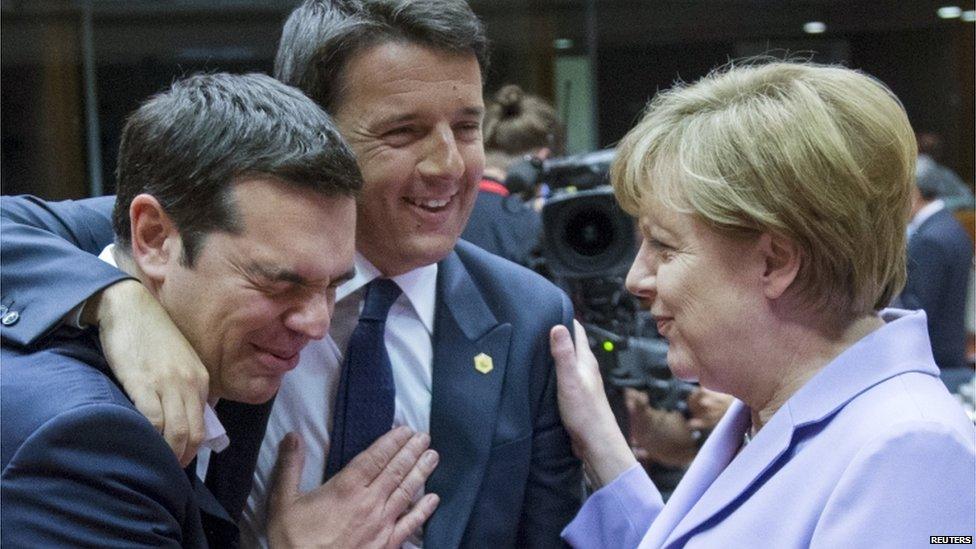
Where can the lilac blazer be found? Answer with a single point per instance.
(872, 452)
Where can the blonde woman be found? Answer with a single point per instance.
(773, 200)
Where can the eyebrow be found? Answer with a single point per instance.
(278, 274)
(393, 120)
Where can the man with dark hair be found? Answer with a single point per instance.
(452, 346)
(227, 185)
(940, 255)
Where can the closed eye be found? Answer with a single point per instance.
(400, 136)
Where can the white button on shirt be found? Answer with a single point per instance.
(305, 401)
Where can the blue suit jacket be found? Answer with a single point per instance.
(506, 475)
(504, 226)
(56, 387)
(873, 451)
(940, 255)
(82, 467)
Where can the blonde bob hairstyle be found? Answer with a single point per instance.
(821, 155)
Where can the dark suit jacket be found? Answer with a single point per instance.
(69, 429)
(504, 226)
(506, 476)
(82, 467)
(940, 255)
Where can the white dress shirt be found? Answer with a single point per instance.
(214, 436)
(923, 215)
(305, 401)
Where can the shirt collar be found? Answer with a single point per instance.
(419, 285)
(924, 214)
(215, 436)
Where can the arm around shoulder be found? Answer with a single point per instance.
(48, 246)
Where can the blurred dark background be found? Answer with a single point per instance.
(72, 70)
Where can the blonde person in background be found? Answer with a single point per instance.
(773, 200)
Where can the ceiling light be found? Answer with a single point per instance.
(814, 27)
(969, 16)
(949, 12)
(562, 43)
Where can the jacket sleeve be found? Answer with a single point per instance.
(554, 490)
(906, 485)
(97, 476)
(50, 262)
(617, 515)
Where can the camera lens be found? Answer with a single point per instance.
(589, 232)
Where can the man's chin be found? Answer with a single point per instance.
(258, 392)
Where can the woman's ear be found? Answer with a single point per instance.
(782, 264)
(156, 243)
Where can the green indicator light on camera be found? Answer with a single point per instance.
(608, 346)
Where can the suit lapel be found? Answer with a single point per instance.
(218, 527)
(464, 401)
(732, 481)
(712, 459)
(901, 346)
(230, 473)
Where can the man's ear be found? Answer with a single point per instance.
(782, 264)
(156, 243)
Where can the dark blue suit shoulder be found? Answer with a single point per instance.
(507, 282)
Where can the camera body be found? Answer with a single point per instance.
(585, 233)
(588, 245)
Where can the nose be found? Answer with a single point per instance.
(312, 317)
(442, 160)
(642, 276)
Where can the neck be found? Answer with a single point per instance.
(809, 351)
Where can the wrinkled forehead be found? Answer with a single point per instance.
(378, 70)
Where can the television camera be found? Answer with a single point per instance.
(587, 247)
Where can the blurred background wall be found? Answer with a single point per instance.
(70, 70)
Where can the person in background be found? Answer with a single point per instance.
(940, 256)
(773, 198)
(517, 125)
(940, 179)
(204, 177)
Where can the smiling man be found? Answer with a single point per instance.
(220, 215)
(464, 332)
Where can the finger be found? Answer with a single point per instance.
(561, 347)
(149, 404)
(400, 466)
(175, 429)
(583, 351)
(636, 400)
(370, 463)
(193, 406)
(414, 519)
(287, 473)
(401, 498)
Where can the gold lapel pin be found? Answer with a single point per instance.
(483, 364)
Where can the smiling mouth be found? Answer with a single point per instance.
(430, 204)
